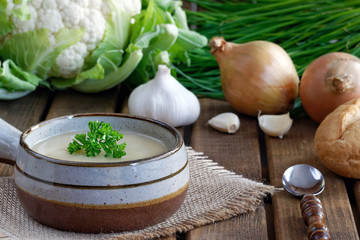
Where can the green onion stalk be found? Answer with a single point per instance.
(306, 29)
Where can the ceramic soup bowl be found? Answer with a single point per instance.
(90, 196)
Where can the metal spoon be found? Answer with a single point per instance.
(307, 181)
(302, 179)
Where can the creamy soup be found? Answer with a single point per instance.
(137, 147)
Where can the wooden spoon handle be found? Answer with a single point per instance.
(314, 217)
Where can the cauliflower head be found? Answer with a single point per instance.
(69, 32)
(89, 45)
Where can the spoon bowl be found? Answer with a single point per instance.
(302, 179)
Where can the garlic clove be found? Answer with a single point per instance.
(225, 122)
(275, 125)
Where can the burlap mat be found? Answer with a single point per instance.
(214, 194)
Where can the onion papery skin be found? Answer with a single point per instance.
(256, 76)
(329, 81)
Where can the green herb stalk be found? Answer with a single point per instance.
(305, 29)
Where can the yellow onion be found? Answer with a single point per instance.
(329, 81)
(256, 76)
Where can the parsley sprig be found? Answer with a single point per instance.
(100, 136)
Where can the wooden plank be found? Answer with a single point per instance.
(270, 219)
(355, 184)
(72, 102)
(237, 152)
(23, 113)
(298, 147)
(242, 227)
(27, 111)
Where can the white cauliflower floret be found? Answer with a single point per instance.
(72, 14)
(49, 4)
(105, 9)
(95, 4)
(50, 19)
(25, 26)
(52, 40)
(54, 15)
(72, 59)
(36, 3)
(94, 24)
(83, 3)
(131, 6)
(63, 3)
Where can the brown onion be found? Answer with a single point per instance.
(328, 82)
(256, 76)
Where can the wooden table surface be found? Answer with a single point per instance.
(248, 152)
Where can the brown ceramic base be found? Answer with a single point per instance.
(93, 219)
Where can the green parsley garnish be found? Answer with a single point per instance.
(100, 136)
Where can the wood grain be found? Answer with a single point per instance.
(279, 217)
(23, 113)
(242, 227)
(237, 152)
(72, 102)
(27, 111)
(297, 147)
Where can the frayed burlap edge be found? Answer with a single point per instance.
(214, 194)
(239, 205)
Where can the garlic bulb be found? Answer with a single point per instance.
(165, 99)
(275, 125)
(225, 122)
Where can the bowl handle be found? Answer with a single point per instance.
(9, 142)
